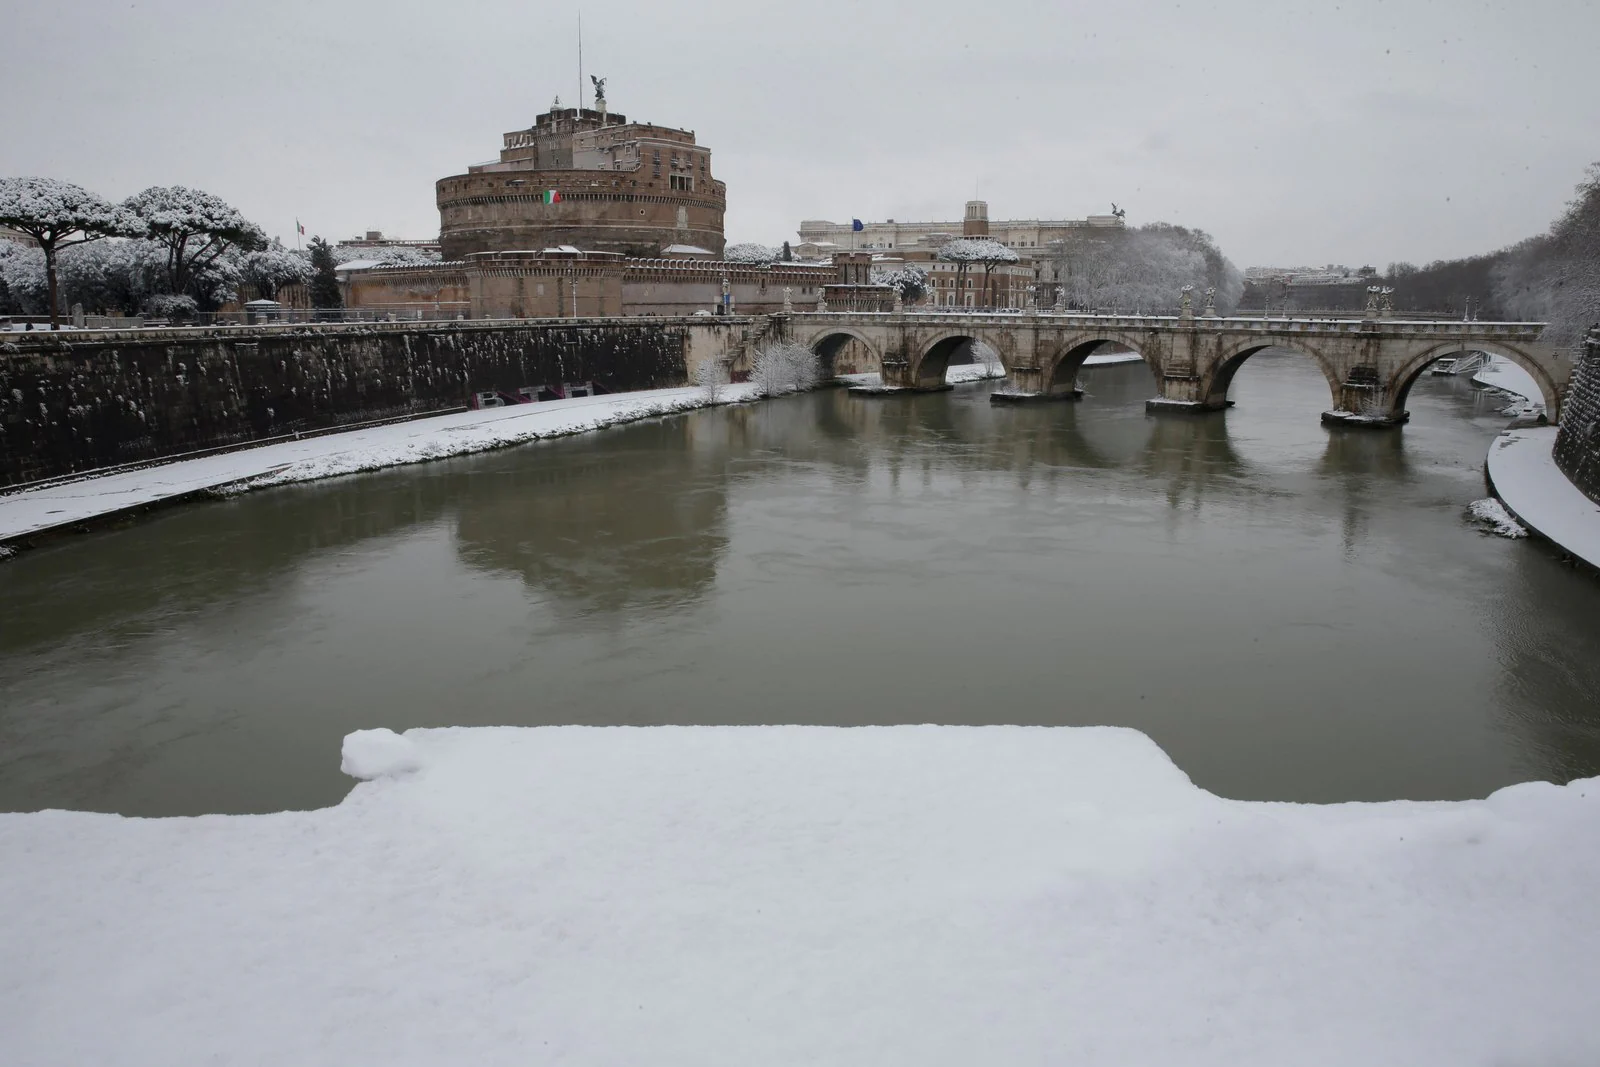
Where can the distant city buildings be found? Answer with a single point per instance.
(17, 237)
(1027, 283)
(1332, 274)
(375, 241)
(1019, 234)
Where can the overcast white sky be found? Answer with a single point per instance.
(1360, 131)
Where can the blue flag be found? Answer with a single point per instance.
(855, 224)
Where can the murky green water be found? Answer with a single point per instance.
(1291, 612)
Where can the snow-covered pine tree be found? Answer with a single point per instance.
(324, 282)
(912, 281)
(273, 267)
(57, 215)
(195, 228)
(966, 252)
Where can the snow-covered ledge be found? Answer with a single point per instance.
(1523, 474)
(794, 895)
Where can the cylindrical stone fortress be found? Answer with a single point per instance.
(590, 180)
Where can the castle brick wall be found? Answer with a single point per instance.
(599, 211)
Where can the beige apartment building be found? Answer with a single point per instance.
(1010, 285)
(1018, 234)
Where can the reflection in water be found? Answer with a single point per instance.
(1291, 612)
(623, 529)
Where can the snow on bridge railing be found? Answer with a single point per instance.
(1251, 323)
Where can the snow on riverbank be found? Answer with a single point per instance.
(1491, 514)
(1525, 477)
(28, 513)
(795, 895)
(64, 504)
(1501, 373)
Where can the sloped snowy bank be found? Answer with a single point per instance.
(1523, 473)
(792, 895)
(67, 503)
(1500, 373)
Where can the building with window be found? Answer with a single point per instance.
(588, 179)
(1027, 283)
(1018, 234)
(375, 242)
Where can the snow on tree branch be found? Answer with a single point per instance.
(912, 281)
(785, 367)
(58, 214)
(748, 252)
(977, 250)
(271, 268)
(195, 227)
(51, 211)
(385, 254)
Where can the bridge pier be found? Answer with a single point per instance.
(1364, 402)
(900, 376)
(1025, 385)
(1183, 393)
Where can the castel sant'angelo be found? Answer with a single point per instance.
(587, 179)
(588, 214)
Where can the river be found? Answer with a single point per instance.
(1291, 612)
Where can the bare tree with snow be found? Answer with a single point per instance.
(710, 378)
(785, 367)
(58, 215)
(966, 252)
(195, 228)
(986, 357)
(1143, 269)
(1556, 277)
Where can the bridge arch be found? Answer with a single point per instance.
(1219, 378)
(1413, 367)
(830, 341)
(1060, 368)
(934, 359)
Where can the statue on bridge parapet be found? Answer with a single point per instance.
(1186, 308)
(1211, 303)
(1372, 301)
(788, 300)
(1386, 302)
(1061, 298)
(899, 301)
(822, 299)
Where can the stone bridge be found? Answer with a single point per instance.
(1370, 364)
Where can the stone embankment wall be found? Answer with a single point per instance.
(1578, 441)
(75, 402)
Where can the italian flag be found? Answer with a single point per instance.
(552, 197)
